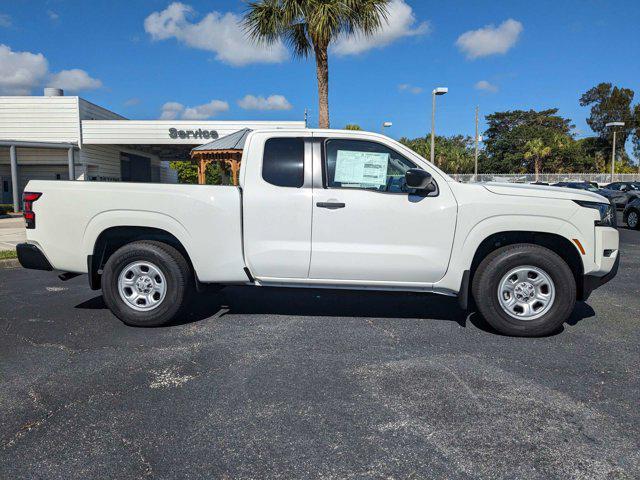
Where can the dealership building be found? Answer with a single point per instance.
(57, 137)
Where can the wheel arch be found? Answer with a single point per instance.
(555, 242)
(111, 239)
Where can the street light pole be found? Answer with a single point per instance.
(436, 91)
(613, 150)
(475, 171)
(385, 125)
(613, 156)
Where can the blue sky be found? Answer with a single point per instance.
(136, 56)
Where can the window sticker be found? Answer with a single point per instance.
(361, 168)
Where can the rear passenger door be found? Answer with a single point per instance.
(276, 180)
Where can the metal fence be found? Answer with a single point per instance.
(600, 178)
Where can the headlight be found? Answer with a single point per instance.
(607, 212)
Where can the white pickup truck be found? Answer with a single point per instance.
(328, 209)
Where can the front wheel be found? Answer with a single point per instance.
(524, 290)
(146, 283)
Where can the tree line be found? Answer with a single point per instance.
(539, 141)
(522, 141)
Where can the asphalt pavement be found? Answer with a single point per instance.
(12, 232)
(285, 383)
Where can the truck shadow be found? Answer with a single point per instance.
(333, 303)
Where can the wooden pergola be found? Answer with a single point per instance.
(226, 150)
(229, 158)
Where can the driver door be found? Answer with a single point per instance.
(367, 226)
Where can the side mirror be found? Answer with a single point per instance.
(419, 179)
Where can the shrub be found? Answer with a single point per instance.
(5, 208)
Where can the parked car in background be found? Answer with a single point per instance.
(631, 190)
(616, 197)
(631, 214)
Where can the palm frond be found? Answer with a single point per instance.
(263, 21)
(307, 23)
(297, 39)
(367, 16)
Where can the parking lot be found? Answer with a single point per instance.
(262, 383)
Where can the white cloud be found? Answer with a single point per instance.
(207, 110)
(490, 40)
(220, 33)
(405, 87)
(53, 16)
(74, 80)
(5, 20)
(486, 86)
(132, 102)
(173, 110)
(401, 22)
(22, 72)
(272, 102)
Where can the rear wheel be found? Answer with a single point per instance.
(633, 219)
(146, 283)
(524, 290)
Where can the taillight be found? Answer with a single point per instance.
(27, 201)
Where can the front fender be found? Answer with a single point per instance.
(515, 223)
(466, 245)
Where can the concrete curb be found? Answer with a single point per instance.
(9, 263)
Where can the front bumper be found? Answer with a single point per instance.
(30, 256)
(591, 282)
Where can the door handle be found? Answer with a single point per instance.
(330, 205)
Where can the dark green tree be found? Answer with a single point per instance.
(636, 132)
(610, 103)
(508, 133)
(453, 154)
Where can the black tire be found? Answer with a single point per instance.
(634, 224)
(497, 264)
(174, 267)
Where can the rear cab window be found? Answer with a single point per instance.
(283, 162)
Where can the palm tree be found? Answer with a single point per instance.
(311, 25)
(538, 151)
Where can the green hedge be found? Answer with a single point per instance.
(5, 208)
(7, 254)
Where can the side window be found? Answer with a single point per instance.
(365, 165)
(283, 162)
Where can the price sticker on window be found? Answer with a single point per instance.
(361, 168)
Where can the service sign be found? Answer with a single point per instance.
(175, 133)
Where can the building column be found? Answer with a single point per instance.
(15, 189)
(72, 167)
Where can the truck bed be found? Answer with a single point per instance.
(206, 219)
